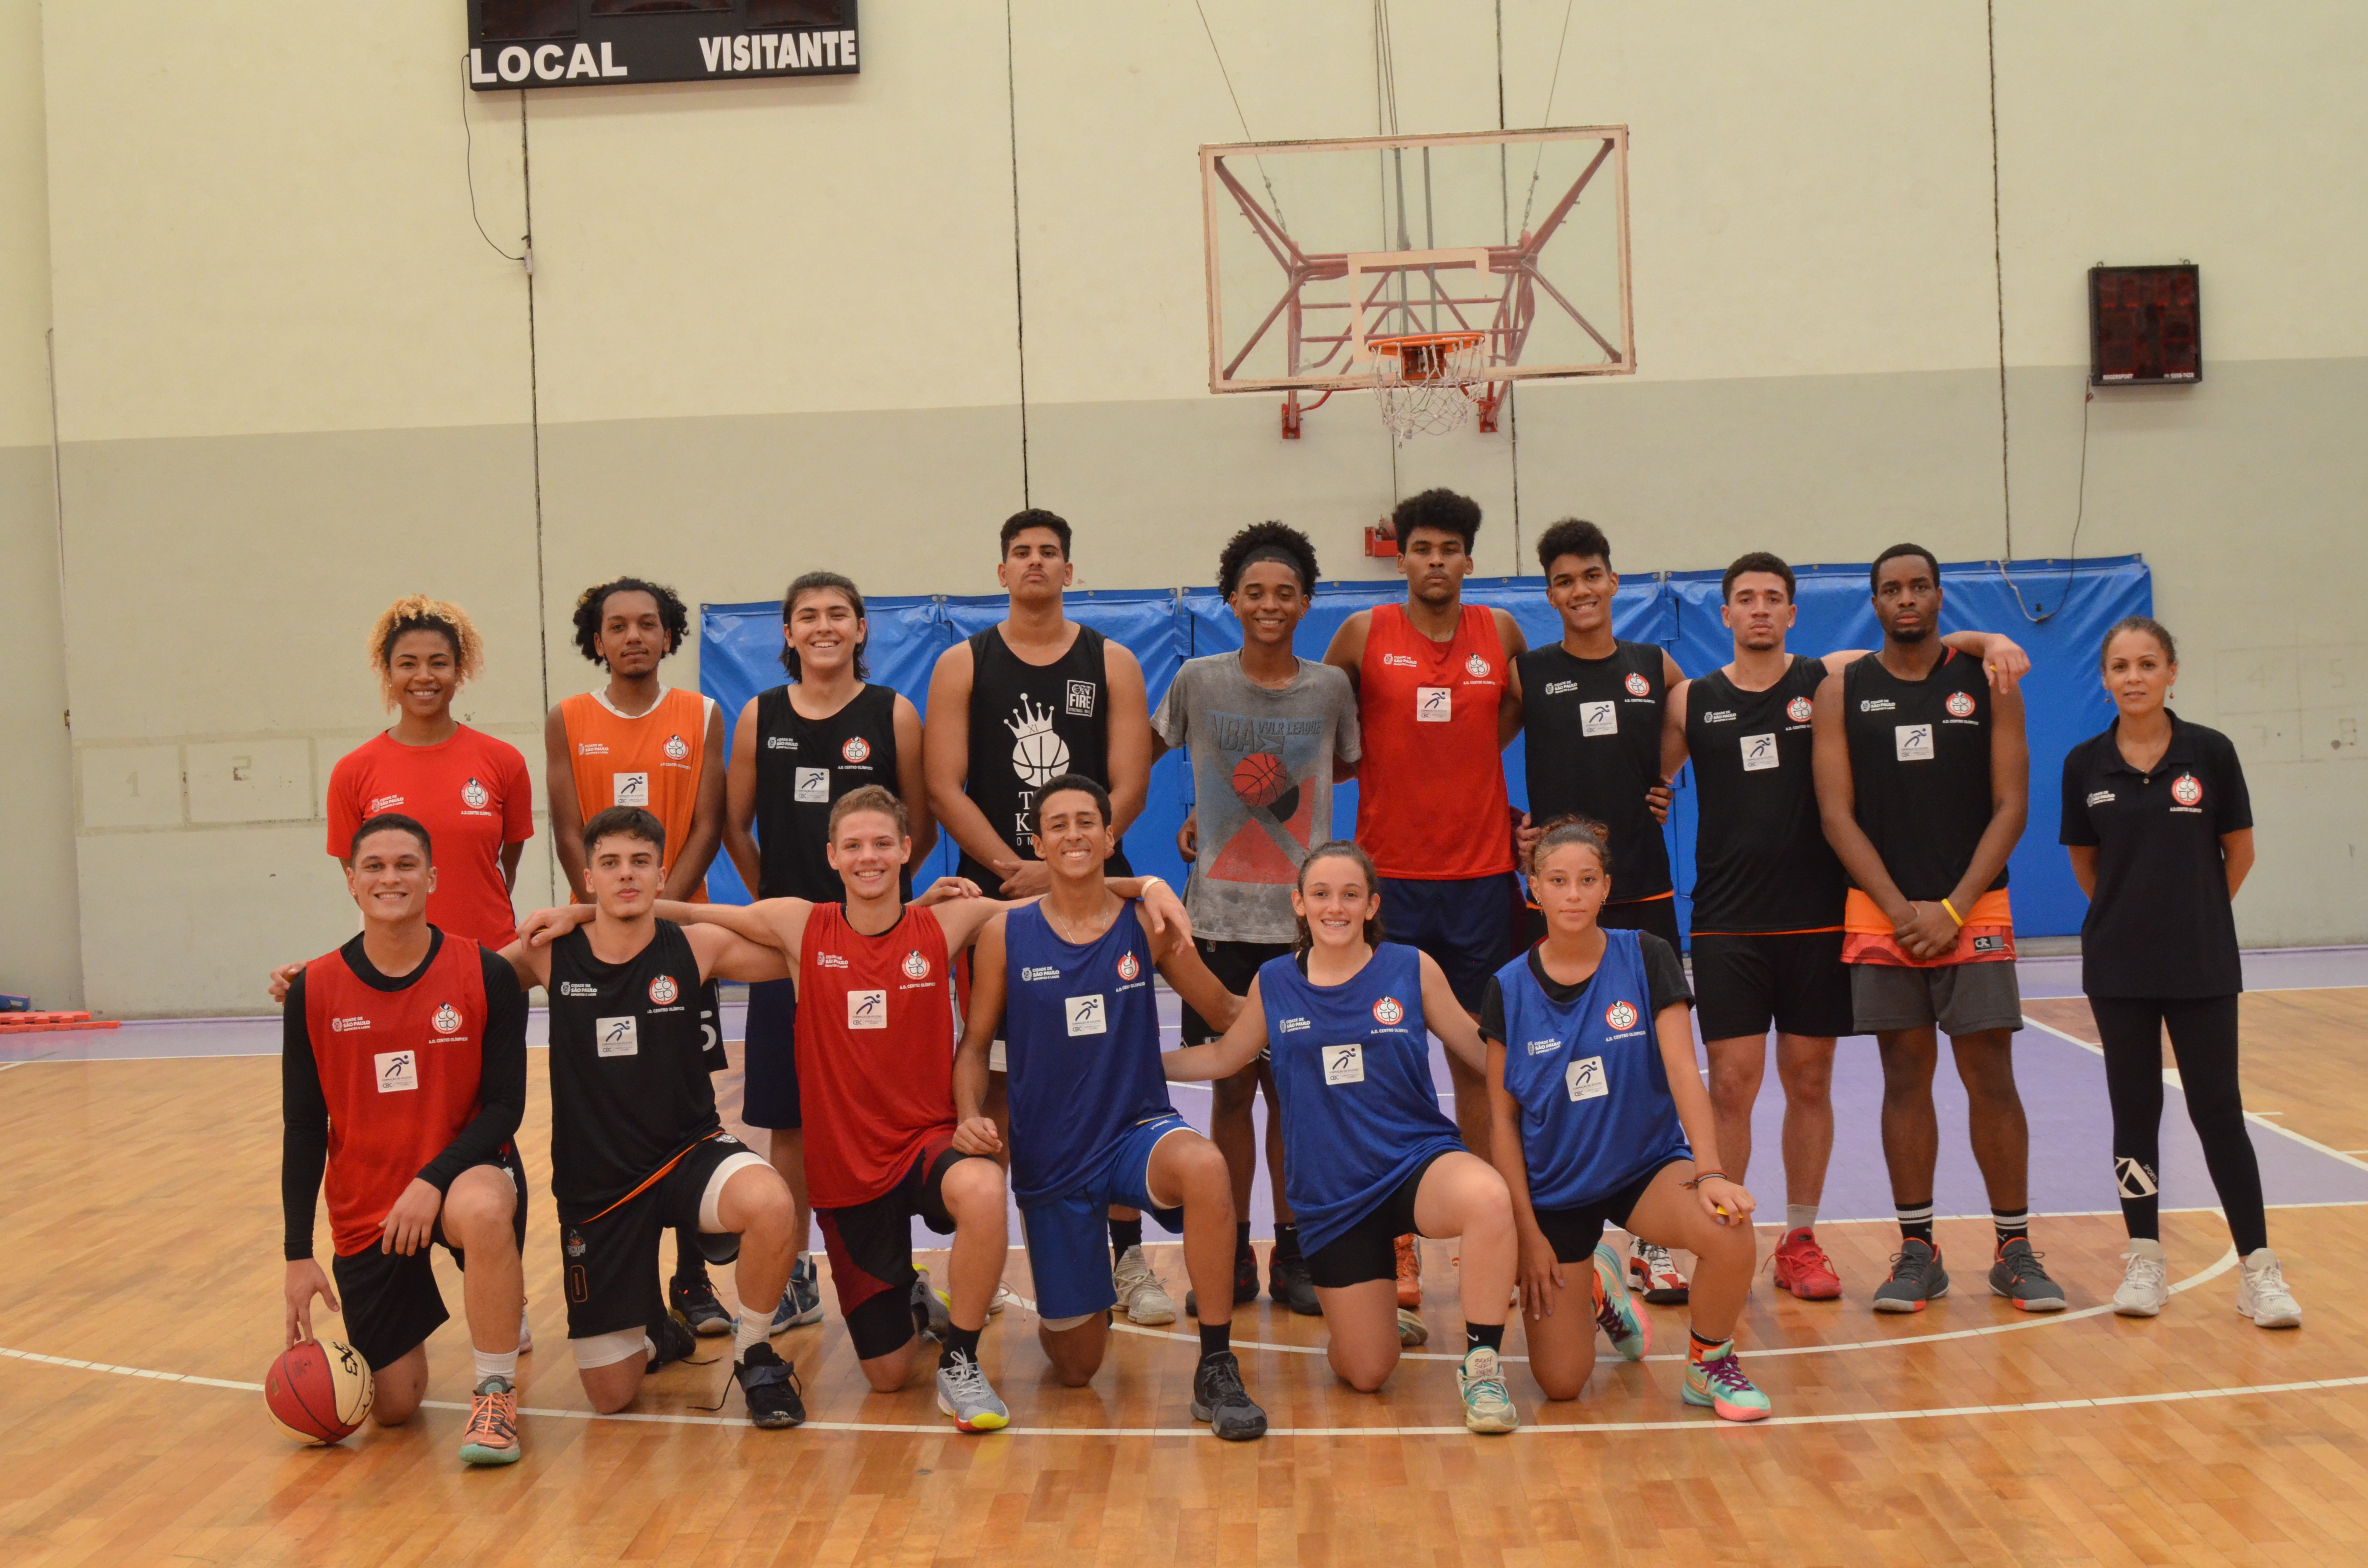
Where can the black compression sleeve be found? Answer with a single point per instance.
(303, 1127)
(1492, 1010)
(501, 1082)
(1663, 972)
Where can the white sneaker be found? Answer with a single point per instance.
(1487, 1404)
(525, 1331)
(2262, 1293)
(1140, 1293)
(2146, 1289)
(1003, 1298)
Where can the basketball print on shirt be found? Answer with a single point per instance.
(1259, 830)
(1038, 754)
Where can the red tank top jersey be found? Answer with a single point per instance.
(875, 1051)
(652, 761)
(1430, 793)
(400, 1071)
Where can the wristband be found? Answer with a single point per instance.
(1703, 1177)
(1953, 911)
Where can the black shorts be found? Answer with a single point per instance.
(710, 1025)
(871, 1248)
(1573, 1233)
(1369, 1249)
(1794, 980)
(1465, 924)
(391, 1302)
(1235, 964)
(610, 1261)
(769, 1058)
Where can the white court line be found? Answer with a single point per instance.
(1704, 1424)
(2171, 1076)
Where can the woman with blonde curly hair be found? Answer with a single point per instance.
(471, 791)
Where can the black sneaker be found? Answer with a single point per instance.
(1916, 1278)
(1219, 1399)
(672, 1342)
(2018, 1276)
(692, 1300)
(770, 1386)
(1246, 1284)
(1288, 1281)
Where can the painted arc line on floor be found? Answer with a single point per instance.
(941, 1429)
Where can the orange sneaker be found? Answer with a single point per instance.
(492, 1436)
(1409, 1274)
(1803, 1269)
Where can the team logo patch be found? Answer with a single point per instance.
(662, 990)
(1638, 686)
(1127, 968)
(1799, 710)
(1621, 1016)
(473, 796)
(856, 749)
(677, 748)
(2186, 791)
(1478, 666)
(1961, 704)
(917, 966)
(447, 1019)
(1388, 1010)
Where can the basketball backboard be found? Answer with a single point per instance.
(1316, 247)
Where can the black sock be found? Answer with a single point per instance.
(959, 1342)
(1701, 1345)
(2013, 1225)
(1242, 1238)
(1476, 1334)
(1124, 1233)
(1286, 1239)
(1216, 1338)
(1915, 1221)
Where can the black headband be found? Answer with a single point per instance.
(1273, 552)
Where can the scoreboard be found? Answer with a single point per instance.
(578, 44)
(2146, 325)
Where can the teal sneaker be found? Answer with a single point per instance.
(1718, 1382)
(1630, 1330)
(1487, 1404)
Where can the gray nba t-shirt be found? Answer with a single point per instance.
(1263, 786)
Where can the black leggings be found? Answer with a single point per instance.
(2203, 1038)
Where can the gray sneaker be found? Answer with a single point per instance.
(2146, 1286)
(964, 1393)
(2018, 1276)
(1916, 1278)
(930, 1314)
(1219, 1399)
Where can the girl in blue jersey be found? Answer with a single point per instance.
(1367, 1154)
(1599, 1114)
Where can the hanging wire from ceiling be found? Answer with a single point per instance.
(1553, 83)
(1239, 117)
(468, 146)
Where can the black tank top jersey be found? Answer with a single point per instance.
(1761, 862)
(1030, 724)
(629, 1084)
(1919, 757)
(802, 767)
(1593, 728)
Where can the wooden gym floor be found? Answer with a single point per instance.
(139, 1308)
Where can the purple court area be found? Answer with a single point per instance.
(2063, 1091)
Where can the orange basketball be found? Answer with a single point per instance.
(318, 1391)
(1260, 779)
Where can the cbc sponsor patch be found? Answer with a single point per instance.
(398, 1071)
(1585, 1080)
(811, 786)
(867, 1009)
(1344, 1065)
(1599, 717)
(1620, 1017)
(2187, 790)
(1087, 1015)
(617, 1036)
(1388, 1011)
(1961, 704)
(1912, 743)
(447, 1019)
(662, 991)
(1800, 709)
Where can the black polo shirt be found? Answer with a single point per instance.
(2159, 924)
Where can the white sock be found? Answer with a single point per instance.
(1800, 1216)
(500, 1364)
(753, 1329)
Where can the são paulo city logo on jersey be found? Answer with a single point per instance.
(662, 990)
(1388, 1011)
(917, 966)
(856, 749)
(447, 1019)
(2186, 791)
(473, 796)
(677, 748)
(1620, 1016)
(1961, 704)
(1478, 666)
(1799, 710)
(1638, 686)
(1127, 968)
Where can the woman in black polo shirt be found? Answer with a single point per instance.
(2160, 833)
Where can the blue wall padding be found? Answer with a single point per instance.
(2065, 700)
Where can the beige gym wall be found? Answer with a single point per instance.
(776, 326)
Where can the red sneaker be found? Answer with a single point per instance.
(1802, 1267)
(1409, 1274)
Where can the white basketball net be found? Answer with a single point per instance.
(1424, 384)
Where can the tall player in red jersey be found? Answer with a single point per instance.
(1436, 706)
(402, 1077)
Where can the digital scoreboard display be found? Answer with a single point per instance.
(2146, 326)
(581, 43)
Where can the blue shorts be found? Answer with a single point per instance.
(769, 1057)
(1068, 1235)
(1465, 926)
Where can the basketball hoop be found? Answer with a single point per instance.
(1423, 382)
